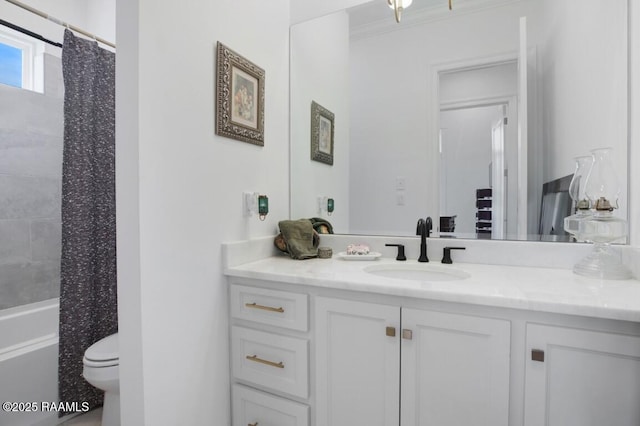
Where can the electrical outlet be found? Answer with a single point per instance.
(401, 183)
(250, 203)
(322, 204)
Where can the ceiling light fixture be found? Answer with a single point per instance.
(399, 6)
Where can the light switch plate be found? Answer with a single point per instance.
(250, 203)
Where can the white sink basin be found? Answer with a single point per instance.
(418, 272)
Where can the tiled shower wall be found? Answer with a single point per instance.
(31, 133)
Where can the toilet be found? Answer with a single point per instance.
(102, 369)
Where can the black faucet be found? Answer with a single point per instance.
(424, 230)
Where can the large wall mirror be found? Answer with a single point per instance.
(471, 116)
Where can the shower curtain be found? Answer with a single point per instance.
(88, 309)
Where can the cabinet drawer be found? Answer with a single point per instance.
(252, 407)
(270, 360)
(278, 308)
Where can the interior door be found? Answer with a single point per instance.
(498, 179)
(522, 131)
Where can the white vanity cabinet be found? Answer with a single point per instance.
(269, 357)
(577, 377)
(330, 355)
(427, 369)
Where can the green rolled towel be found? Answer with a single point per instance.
(298, 234)
(321, 225)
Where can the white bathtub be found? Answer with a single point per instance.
(29, 361)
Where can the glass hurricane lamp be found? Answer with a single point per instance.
(601, 227)
(581, 207)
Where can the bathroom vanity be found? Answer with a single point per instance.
(327, 342)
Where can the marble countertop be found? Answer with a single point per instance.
(519, 287)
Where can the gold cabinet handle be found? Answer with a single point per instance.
(391, 332)
(264, 308)
(253, 424)
(255, 358)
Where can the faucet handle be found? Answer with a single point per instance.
(446, 256)
(428, 225)
(400, 255)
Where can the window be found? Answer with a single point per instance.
(20, 60)
(10, 65)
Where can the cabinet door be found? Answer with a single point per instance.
(455, 369)
(581, 378)
(357, 363)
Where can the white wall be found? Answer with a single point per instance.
(132, 387)
(180, 196)
(303, 10)
(498, 81)
(572, 36)
(320, 72)
(634, 125)
(101, 18)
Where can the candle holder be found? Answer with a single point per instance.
(581, 204)
(598, 225)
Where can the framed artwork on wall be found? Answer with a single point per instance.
(322, 124)
(239, 97)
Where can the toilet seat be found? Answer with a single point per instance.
(103, 353)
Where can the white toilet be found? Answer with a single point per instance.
(102, 369)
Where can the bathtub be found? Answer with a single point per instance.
(29, 362)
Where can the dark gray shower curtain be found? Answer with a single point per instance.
(88, 305)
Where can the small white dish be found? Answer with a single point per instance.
(372, 255)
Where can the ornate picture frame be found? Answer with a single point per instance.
(322, 131)
(239, 97)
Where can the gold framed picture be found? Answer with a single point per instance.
(322, 131)
(239, 97)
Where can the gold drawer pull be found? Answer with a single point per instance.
(264, 308)
(255, 358)
(253, 424)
